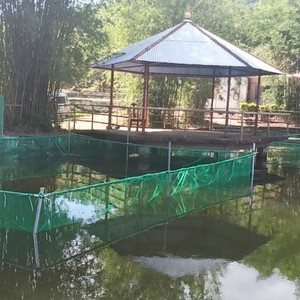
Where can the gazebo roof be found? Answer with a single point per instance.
(186, 50)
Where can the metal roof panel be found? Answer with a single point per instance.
(201, 52)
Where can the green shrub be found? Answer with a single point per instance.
(244, 105)
(251, 106)
(269, 107)
(247, 106)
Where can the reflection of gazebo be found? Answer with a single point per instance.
(185, 50)
(191, 245)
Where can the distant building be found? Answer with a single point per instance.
(241, 89)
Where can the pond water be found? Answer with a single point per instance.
(229, 251)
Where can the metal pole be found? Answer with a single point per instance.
(164, 249)
(127, 152)
(169, 168)
(252, 172)
(1, 115)
(38, 210)
(69, 136)
(41, 197)
(169, 156)
(36, 251)
(107, 190)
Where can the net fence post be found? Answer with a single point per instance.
(252, 172)
(127, 152)
(41, 197)
(169, 156)
(69, 136)
(1, 115)
(169, 168)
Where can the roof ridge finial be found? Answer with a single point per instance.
(187, 16)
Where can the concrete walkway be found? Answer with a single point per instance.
(187, 138)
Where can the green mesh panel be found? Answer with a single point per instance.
(103, 222)
(77, 145)
(89, 204)
(33, 147)
(287, 153)
(99, 214)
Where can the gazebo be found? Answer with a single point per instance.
(185, 50)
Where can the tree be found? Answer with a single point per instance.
(266, 28)
(130, 21)
(273, 33)
(43, 42)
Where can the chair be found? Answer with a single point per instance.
(134, 117)
(168, 119)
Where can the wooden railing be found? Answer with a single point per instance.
(94, 117)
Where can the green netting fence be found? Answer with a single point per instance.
(209, 167)
(105, 212)
(16, 155)
(287, 152)
(76, 145)
(82, 221)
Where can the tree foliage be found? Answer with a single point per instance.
(266, 28)
(46, 43)
(42, 42)
(273, 34)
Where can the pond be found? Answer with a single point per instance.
(231, 250)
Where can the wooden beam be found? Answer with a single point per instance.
(111, 100)
(228, 99)
(257, 103)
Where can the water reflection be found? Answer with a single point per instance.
(236, 251)
(238, 281)
(55, 173)
(71, 171)
(71, 228)
(200, 235)
(177, 267)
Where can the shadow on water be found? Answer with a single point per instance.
(212, 243)
(183, 246)
(74, 223)
(72, 231)
(197, 235)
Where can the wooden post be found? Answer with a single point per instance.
(268, 125)
(228, 99)
(212, 101)
(242, 127)
(74, 119)
(145, 114)
(92, 126)
(110, 109)
(257, 103)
